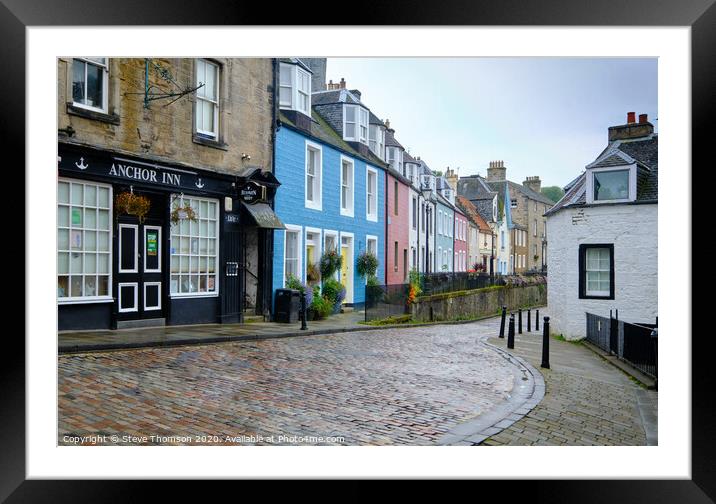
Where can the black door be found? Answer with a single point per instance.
(139, 267)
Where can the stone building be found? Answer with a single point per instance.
(169, 133)
(603, 248)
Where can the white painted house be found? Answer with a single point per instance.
(602, 249)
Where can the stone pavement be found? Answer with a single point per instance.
(84, 341)
(587, 402)
(407, 386)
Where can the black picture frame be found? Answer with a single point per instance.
(700, 15)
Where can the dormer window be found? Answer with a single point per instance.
(376, 140)
(295, 88)
(611, 184)
(355, 124)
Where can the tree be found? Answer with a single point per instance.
(554, 193)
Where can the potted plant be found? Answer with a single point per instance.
(366, 264)
(334, 292)
(183, 211)
(313, 274)
(331, 261)
(132, 204)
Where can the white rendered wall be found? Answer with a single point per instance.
(633, 231)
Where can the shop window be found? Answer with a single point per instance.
(195, 249)
(84, 241)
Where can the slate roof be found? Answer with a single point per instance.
(334, 96)
(407, 158)
(390, 140)
(470, 210)
(323, 132)
(374, 119)
(474, 187)
(296, 61)
(644, 152)
(524, 190)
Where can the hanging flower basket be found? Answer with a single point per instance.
(180, 213)
(132, 204)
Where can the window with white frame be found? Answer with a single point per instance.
(84, 241)
(314, 172)
(89, 83)
(292, 253)
(371, 194)
(294, 88)
(207, 99)
(347, 169)
(363, 126)
(313, 247)
(597, 271)
(440, 222)
(611, 185)
(194, 249)
(355, 124)
(415, 212)
(374, 134)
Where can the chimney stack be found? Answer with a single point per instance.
(387, 125)
(496, 171)
(451, 178)
(343, 84)
(632, 129)
(533, 183)
(318, 77)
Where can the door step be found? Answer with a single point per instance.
(133, 324)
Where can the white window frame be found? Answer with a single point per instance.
(353, 138)
(596, 293)
(217, 252)
(159, 296)
(368, 239)
(632, 183)
(110, 243)
(318, 244)
(215, 102)
(105, 86)
(299, 73)
(371, 215)
(317, 202)
(159, 249)
(335, 235)
(349, 211)
(299, 247)
(440, 222)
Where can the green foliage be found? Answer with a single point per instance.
(366, 264)
(332, 289)
(331, 261)
(321, 307)
(394, 319)
(554, 193)
(416, 281)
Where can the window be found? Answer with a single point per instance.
(502, 240)
(292, 253)
(294, 88)
(207, 99)
(313, 176)
(611, 185)
(84, 241)
(371, 203)
(535, 227)
(396, 198)
(596, 275)
(195, 249)
(415, 212)
(89, 83)
(313, 246)
(346, 187)
(355, 124)
(372, 244)
(395, 257)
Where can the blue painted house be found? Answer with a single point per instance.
(332, 183)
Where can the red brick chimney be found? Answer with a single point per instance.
(631, 129)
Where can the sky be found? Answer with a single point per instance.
(541, 116)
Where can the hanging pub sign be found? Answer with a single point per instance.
(251, 192)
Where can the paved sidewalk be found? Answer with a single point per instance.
(84, 341)
(587, 400)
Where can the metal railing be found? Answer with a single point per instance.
(438, 283)
(636, 344)
(383, 301)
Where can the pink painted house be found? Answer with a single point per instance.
(460, 241)
(397, 228)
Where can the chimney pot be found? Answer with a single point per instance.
(343, 85)
(642, 118)
(631, 117)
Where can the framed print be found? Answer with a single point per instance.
(347, 172)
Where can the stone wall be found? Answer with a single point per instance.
(478, 303)
(165, 132)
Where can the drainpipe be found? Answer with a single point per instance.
(268, 272)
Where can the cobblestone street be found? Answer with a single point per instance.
(408, 386)
(395, 386)
(587, 401)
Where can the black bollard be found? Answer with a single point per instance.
(519, 321)
(502, 322)
(511, 332)
(537, 321)
(529, 320)
(304, 326)
(545, 344)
